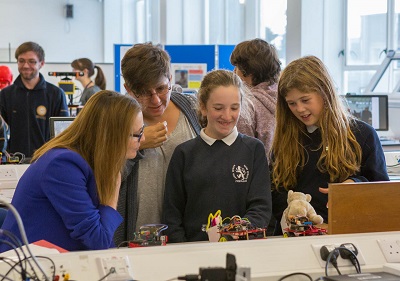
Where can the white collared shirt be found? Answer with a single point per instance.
(228, 140)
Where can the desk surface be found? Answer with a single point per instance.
(268, 259)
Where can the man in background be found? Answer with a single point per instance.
(27, 105)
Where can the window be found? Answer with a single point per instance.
(372, 31)
(366, 37)
(223, 22)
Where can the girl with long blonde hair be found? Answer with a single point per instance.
(316, 139)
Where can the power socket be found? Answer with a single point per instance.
(8, 173)
(390, 249)
(340, 261)
(123, 270)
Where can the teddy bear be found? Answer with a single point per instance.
(299, 206)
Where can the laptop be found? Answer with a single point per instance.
(364, 207)
(59, 124)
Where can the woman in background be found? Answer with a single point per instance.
(68, 195)
(89, 87)
(257, 64)
(317, 141)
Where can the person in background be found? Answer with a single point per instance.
(6, 76)
(317, 141)
(170, 119)
(68, 195)
(89, 87)
(27, 105)
(182, 80)
(366, 115)
(257, 64)
(3, 140)
(219, 170)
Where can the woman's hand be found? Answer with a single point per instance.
(155, 135)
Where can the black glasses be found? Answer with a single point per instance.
(160, 91)
(139, 136)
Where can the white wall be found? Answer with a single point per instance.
(44, 22)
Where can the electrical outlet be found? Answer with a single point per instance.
(122, 269)
(340, 261)
(390, 249)
(8, 172)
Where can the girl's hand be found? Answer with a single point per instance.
(325, 190)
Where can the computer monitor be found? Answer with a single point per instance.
(59, 124)
(372, 109)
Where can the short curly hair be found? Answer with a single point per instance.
(257, 58)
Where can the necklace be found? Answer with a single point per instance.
(87, 85)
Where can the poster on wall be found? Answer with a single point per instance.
(188, 75)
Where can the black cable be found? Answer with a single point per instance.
(329, 260)
(5, 277)
(353, 258)
(53, 264)
(111, 271)
(16, 243)
(25, 274)
(33, 268)
(4, 259)
(189, 277)
(23, 271)
(335, 265)
(293, 274)
(21, 228)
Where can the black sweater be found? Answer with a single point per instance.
(202, 179)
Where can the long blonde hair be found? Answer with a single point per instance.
(341, 156)
(100, 134)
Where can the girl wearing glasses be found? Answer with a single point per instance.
(219, 170)
(68, 195)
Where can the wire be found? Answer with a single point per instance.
(293, 274)
(328, 261)
(111, 271)
(14, 247)
(335, 265)
(53, 264)
(353, 258)
(126, 243)
(23, 234)
(36, 277)
(5, 277)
